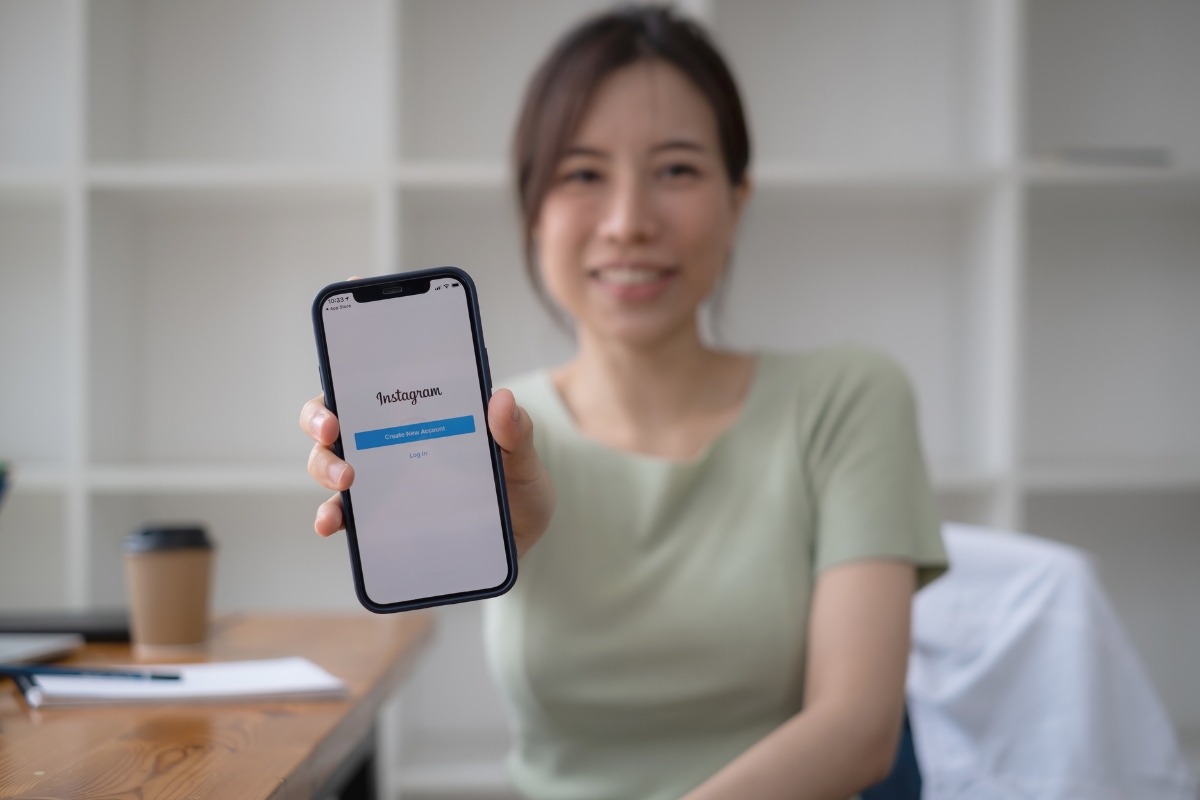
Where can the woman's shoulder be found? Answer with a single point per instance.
(842, 371)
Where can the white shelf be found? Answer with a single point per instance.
(1133, 475)
(1054, 173)
(202, 478)
(38, 476)
(452, 174)
(32, 181)
(178, 179)
(190, 177)
(887, 180)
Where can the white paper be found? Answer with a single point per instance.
(271, 679)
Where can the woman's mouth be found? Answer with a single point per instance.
(633, 281)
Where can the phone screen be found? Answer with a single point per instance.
(426, 511)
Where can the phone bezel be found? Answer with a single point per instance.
(483, 370)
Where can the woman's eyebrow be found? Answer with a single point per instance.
(582, 150)
(678, 144)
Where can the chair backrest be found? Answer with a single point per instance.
(904, 781)
(1023, 682)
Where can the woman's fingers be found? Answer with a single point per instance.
(531, 496)
(329, 470)
(329, 516)
(318, 422)
(513, 431)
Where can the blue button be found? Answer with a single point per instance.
(437, 429)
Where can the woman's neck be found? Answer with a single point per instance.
(668, 398)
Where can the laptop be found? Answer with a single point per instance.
(15, 647)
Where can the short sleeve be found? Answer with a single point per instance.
(869, 477)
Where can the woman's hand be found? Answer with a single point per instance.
(531, 496)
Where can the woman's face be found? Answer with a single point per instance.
(639, 222)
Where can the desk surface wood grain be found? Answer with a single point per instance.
(230, 751)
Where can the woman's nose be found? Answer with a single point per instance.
(629, 217)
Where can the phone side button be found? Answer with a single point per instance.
(487, 372)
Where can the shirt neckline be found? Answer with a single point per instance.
(749, 406)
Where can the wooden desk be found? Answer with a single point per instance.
(226, 751)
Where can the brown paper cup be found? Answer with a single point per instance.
(168, 582)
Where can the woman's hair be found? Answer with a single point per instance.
(561, 90)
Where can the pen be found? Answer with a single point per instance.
(33, 670)
(30, 690)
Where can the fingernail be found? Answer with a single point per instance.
(336, 472)
(516, 413)
(318, 420)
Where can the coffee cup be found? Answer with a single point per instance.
(168, 572)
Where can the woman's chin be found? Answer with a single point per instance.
(645, 328)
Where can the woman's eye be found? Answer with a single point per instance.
(678, 171)
(581, 176)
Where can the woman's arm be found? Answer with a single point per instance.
(845, 739)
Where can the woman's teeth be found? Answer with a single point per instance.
(632, 276)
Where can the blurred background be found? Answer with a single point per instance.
(1004, 195)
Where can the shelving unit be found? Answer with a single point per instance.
(178, 179)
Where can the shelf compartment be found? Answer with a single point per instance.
(201, 339)
(1114, 74)
(35, 82)
(267, 555)
(33, 402)
(1099, 392)
(895, 274)
(33, 551)
(478, 232)
(464, 66)
(237, 80)
(904, 92)
(203, 478)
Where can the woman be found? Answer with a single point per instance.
(716, 604)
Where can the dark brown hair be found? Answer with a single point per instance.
(562, 88)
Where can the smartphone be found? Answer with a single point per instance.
(404, 368)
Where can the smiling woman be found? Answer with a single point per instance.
(719, 549)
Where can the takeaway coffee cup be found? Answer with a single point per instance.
(167, 574)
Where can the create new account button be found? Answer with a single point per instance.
(434, 429)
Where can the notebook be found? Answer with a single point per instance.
(273, 680)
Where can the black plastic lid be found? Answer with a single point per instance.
(162, 537)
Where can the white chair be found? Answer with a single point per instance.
(1023, 684)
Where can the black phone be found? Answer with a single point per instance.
(404, 368)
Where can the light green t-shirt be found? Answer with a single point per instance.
(658, 628)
